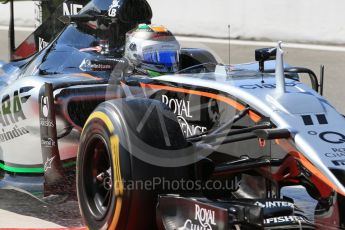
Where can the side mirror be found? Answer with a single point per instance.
(265, 54)
(271, 134)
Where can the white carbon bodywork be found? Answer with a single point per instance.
(24, 149)
(21, 149)
(285, 111)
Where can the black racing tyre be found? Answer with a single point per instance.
(108, 169)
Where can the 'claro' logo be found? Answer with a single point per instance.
(205, 220)
(266, 86)
(332, 137)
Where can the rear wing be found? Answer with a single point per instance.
(47, 25)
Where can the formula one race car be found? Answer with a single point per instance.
(209, 147)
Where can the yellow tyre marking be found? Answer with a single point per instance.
(102, 116)
(117, 183)
(114, 141)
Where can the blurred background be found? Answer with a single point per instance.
(312, 21)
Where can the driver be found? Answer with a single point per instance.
(152, 50)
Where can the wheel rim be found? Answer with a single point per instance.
(98, 178)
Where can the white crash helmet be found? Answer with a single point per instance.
(153, 48)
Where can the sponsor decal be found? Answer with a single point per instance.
(11, 109)
(48, 163)
(274, 204)
(332, 137)
(44, 121)
(11, 113)
(45, 106)
(42, 44)
(190, 130)
(114, 7)
(48, 142)
(285, 219)
(182, 109)
(179, 107)
(71, 9)
(12, 134)
(101, 66)
(339, 162)
(204, 220)
(336, 153)
(265, 86)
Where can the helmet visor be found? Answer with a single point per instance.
(164, 57)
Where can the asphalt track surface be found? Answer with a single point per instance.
(21, 210)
